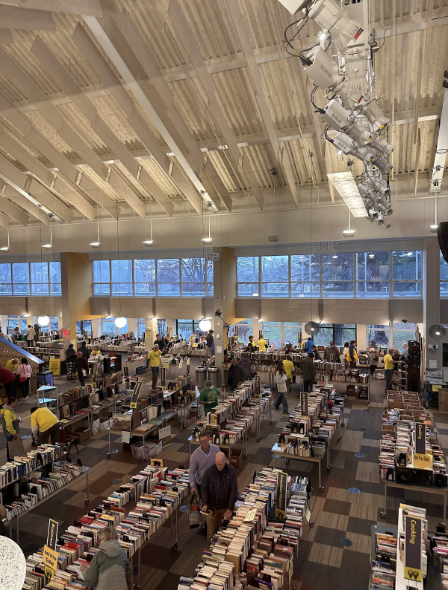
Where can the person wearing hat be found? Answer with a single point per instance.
(209, 396)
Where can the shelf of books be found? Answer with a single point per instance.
(312, 426)
(399, 559)
(155, 493)
(253, 551)
(411, 455)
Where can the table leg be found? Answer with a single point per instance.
(383, 514)
(17, 530)
(270, 409)
(329, 465)
(320, 477)
(139, 567)
(87, 500)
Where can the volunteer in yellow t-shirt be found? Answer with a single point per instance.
(12, 365)
(44, 421)
(389, 368)
(262, 344)
(289, 369)
(154, 363)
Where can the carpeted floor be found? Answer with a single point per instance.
(350, 503)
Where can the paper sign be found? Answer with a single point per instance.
(156, 462)
(280, 505)
(133, 405)
(180, 364)
(304, 403)
(163, 377)
(422, 461)
(164, 432)
(50, 557)
(125, 436)
(420, 438)
(49, 572)
(195, 345)
(52, 534)
(250, 515)
(55, 366)
(413, 549)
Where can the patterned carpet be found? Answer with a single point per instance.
(338, 514)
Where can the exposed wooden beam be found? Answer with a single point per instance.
(4, 220)
(417, 162)
(12, 17)
(30, 188)
(27, 205)
(13, 211)
(66, 82)
(6, 37)
(87, 7)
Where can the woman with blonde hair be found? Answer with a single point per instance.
(110, 568)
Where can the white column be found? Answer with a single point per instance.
(361, 335)
(431, 301)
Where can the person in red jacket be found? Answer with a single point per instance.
(8, 379)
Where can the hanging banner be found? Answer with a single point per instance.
(54, 365)
(52, 534)
(413, 549)
(280, 504)
(420, 438)
(163, 377)
(299, 337)
(304, 403)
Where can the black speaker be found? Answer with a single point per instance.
(442, 234)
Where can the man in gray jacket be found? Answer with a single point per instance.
(308, 372)
(110, 568)
(202, 458)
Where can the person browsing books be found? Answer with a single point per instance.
(44, 424)
(236, 374)
(10, 422)
(262, 344)
(309, 345)
(154, 363)
(12, 365)
(202, 458)
(289, 370)
(110, 568)
(308, 372)
(209, 396)
(82, 367)
(8, 379)
(24, 372)
(219, 492)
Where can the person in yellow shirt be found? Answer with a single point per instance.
(12, 365)
(95, 352)
(289, 369)
(46, 423)
(262, 344)
(389, 368)
(10, 422)
(154, 363)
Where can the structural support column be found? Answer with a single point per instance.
(224, 299)
(431, 302)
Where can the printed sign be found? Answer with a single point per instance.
(413, 549)
(163, 377)
(420, 438)
(164, 432)
(280, 505)
(422, 461)
(55, 366)
(250, 515)
(257, 385)
(50, 557)
(66, 333)
(304, 403)
(133, 405)
(52, 534)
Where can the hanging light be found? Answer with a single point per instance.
(43, 320)
(205, 325)
(150, 242)
(120, 322)
(97, 244)
(49, 245)
(348, 233)
(209, 239)
(7, 247)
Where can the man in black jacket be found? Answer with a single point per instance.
(84, 350)
(219, 492)
(308, 372)
(236, 374)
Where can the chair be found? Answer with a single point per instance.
(72, 440)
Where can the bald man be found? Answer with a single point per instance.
(219, 492)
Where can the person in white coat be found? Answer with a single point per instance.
(280, 380)
(30, 335)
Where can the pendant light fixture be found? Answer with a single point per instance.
(209, 239)
(49, 245)
(43, 320)
(348, 233)
(149, 243)
(97, 243)
(205, 325)
(434, 226)
(120, 321)
(7, 247)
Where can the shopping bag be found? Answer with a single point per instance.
(16, 448)
(194, 513)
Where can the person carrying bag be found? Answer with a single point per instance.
(194, 512)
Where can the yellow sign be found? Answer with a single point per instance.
(50, 557)
(195, 345)
(411, 573)
(55, 366)
(422, 461)
(49, 572)
(133, 405)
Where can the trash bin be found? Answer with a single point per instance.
(201, 375)
(213, 375)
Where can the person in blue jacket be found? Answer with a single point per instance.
(309, 345)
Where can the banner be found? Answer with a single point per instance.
(304, 403)
(280, 505)
(420, 438)
(413, 549)
(52, 534)
(163, 377)
(257, 385)
(55, 366)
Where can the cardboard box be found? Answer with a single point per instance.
(236, 458)
(351, 389)
(82, 434)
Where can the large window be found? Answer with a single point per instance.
(245, 329)
(35, 278)
(108, 327)
(337, 275)
(275, 276)
(378, 334)
(407, 273)
(305, 275)
(21, 278)
(193, 277)
(248, 275)
(443, 277)
(401, 333)
(338, 333)
(185, 328)
(5, 279)
(291, 332)
(372, 274)
(145, 278)
(14, 321)
(272, 331)
(122, 277)
(101, 277)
